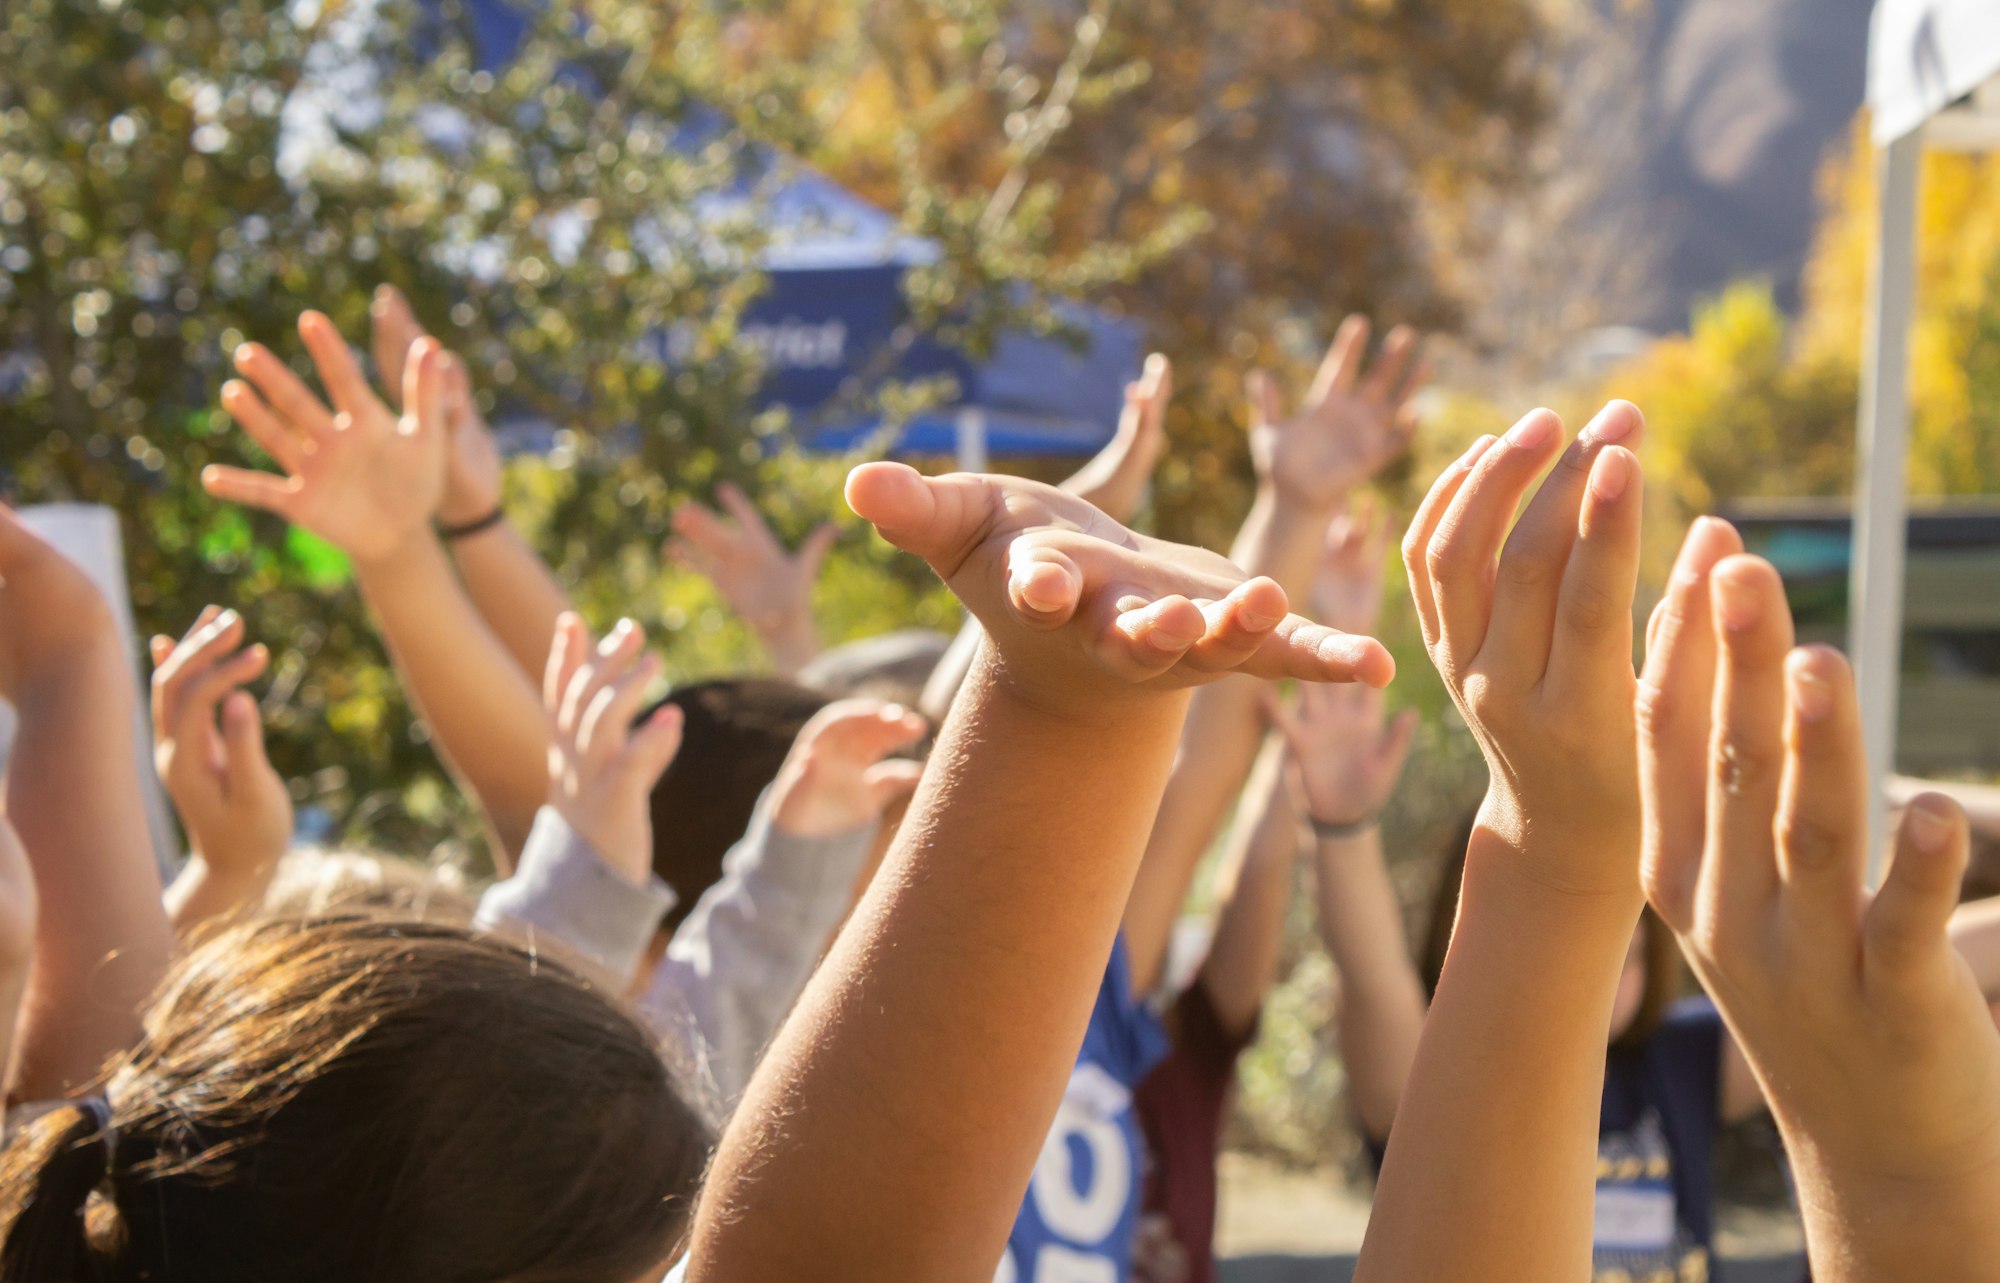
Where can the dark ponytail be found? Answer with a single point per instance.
(50, 1229)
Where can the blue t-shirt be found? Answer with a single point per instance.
(1655, 1210)
(1655, 1214)
(1082, 1209)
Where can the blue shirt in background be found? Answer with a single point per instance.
(1082, 1209)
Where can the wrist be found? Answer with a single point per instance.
(455, 529)
(1333, 826)
(461, 507)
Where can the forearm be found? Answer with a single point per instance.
(1224, 728)
(1254, 889)
(102, 940)
(514, 591)
(1497, 1137)
(201, 893)
(923, 1126)
(1381, 1012)
(484, 715)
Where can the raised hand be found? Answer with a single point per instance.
(1347, 587)
(234, 805)
(357, 475)
(602, 768)
(839, 776)
(1537, 651)
(1866, 1029)
(1115, 479)
(1350, 426)
(1076, 605)
(473, 468)
(1347, 753)
(1497, 1126)
(770, 588)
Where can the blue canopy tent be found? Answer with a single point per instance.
(833, 325)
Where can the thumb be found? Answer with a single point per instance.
(812, 553)
(887, 781)
(1264, 407)
(1394, 749)
(243, 752)
(653, 745)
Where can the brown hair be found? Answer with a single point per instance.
(734, 737)
(1663, 958)
(353, 1098)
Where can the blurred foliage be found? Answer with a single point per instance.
(1332, 157)
(1749, 404)
(178, 178)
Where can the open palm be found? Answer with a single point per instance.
(1350, 426)
(358, 476)
(1050, 576)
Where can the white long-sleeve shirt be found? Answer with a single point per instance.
(736, 965)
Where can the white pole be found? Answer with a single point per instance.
(1881, 507)
(972, 439)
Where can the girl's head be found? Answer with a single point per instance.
(355, 1098)
(1651, 979)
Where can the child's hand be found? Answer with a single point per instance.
(362, 479)
(235, 806)
(1115, 479)
(1076, 605)
(1346, 753)
(1866, 1029)
(1349, 427)
(602, 768)
(1538, 652)
(839, 775)
(1347, 587)
(768, 587)
(473, 469)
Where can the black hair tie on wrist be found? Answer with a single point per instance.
(1329, 831)
(479, 526)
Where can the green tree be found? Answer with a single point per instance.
(176, 178)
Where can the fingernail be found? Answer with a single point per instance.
(1928, 825)
(1611, 475)
(894, 712)
(624, 626)
(1533, 431)
(242, 353)
(1736, 603)
(1811, 696)
(1613, 423)
(1256, 622)
(1042, 586)
(222, 621)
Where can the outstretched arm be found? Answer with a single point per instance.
(1496, 1137)
(1866, 1028)
(888, 1134)
(509, 584)
(101, 939)
(770, 588)
(368, 482)
(1349, 427)
(1347, 755)
(1253, 889)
